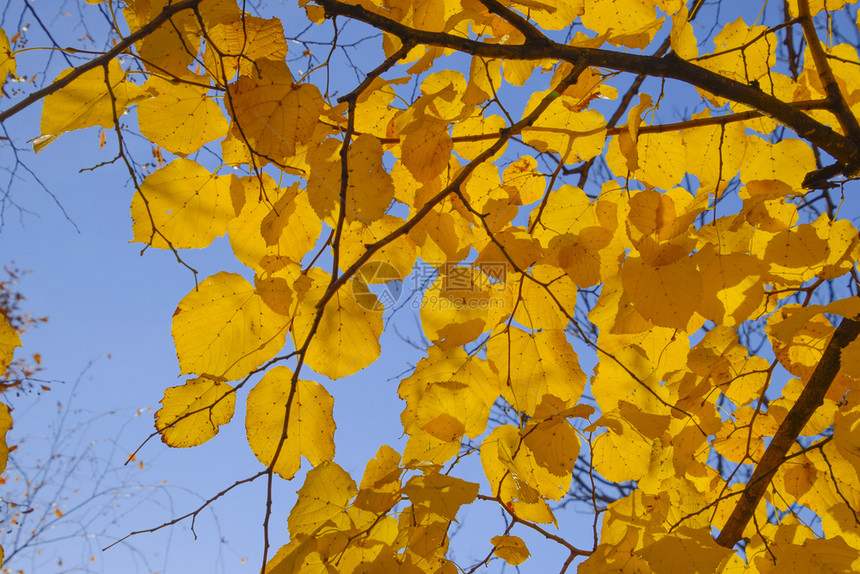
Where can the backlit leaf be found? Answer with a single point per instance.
(272, 113)
(223, 330)
(7, 58)
(179, 117)
(182, 205)
(346, 339)
(323, 498)
(5, 427)
(511, 549)
(9, 341)
(192, 413)
(96, 98)
(309, 432)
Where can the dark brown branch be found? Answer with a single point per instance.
(810, 399)
(530, 33)
(102, 60)
(670, 66)
(825, 73)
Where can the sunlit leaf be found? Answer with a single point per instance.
(223, 330)
(97, 97)
(9, 341)
(511, 549)
(182, 205)
(192, 413)
(179, 117)
(7, 60)
(309, 432)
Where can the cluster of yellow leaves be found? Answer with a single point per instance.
(677, 275)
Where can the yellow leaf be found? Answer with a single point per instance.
(682, 36)
(666, 295)
(440, 494)
(373, 110)
(9, 341)
(455, 308)
(170, 48)
(552, 14)
(467, 142)
(426, 148)
(517, 72)
(661, 158)
(323, 498)
(393, 262)
(511, 549)
(223, 330)
(380, 485)
(732, 286)
(254, 38)
(631, 23)
(565, 129)
(620, 454)
(551, 439)
(512, 248)
(796, 255)
(182, 205)
(274, 226)
(568, 210)
(274, 115)
(441, 96)
(179, 117)
(369, 190)
(346, 339)
(534, 365)
(719, 151)
(484, 79)
(524, 180)
(192, 413)
(787, 161)
(309, 433)
(547, 300)
(686, 550)
(449, 395)
(423, 450)
(5, 426)
(7, 66)
(515, 475)
(87, 101)
(752, 62)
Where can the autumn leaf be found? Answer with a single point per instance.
(276, 115)
(308, 432)
(181, 205)
(192, 413)
(96, 98)
(5, 427)
(511, 549)
(180, 117)
(9, 341)
(223, 330)
(7, 58)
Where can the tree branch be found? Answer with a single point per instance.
(102, 60)
(845, 150)
(810, 399)
(825, 73)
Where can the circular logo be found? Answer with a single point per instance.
(377, 285)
